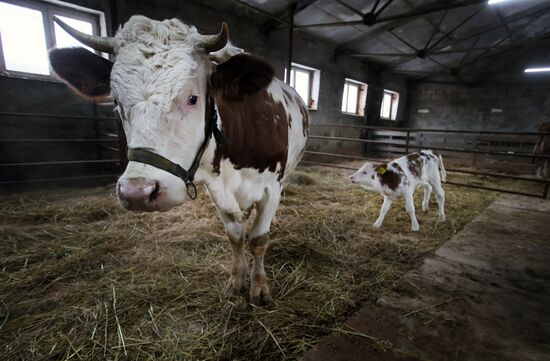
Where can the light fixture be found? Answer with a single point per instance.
(491, 2)
(537, 70)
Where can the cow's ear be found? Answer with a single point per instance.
(87, 73)
(241, 75)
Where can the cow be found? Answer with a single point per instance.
(400, 178)
(196, 109)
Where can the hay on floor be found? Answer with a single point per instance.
(82, 279)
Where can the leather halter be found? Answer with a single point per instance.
(145, 156)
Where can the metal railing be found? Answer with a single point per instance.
(406, 145)
(104, 141)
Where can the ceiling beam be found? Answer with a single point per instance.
(496, 45)
(458, 26)
(374, 6)
(437, 28)
(457, 71)
(369, 20)
(375, 31)
(541, 39)
(539, 10)
(349, 7)
(261, 11)
(299, 6)
(467, 55)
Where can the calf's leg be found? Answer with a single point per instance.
(409, 206)
(385, 208)
(258, 242)
(440, 197)
(426, 200)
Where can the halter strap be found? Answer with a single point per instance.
(145, 156)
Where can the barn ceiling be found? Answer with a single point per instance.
(460, 40)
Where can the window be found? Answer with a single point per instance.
(305, 81)
(27, 31)
(390, 102)
(354, 97)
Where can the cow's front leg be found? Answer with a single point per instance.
(236, 232)
(260, 294)
(258, 243)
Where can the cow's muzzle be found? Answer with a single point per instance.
(139, 194)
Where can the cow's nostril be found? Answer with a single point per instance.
(155, 193)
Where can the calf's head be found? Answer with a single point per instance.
(159, 82)
(365, 176)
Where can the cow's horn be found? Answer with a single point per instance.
(212, 43)
(99, 43)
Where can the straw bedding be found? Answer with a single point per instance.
(82, 279)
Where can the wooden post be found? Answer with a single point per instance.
(291, 10)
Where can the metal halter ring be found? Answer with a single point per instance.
(191, 190)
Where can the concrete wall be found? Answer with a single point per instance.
(520, 107)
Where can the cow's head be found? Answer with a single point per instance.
(160, 81)
(365, 176)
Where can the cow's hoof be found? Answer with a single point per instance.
(376, 226)
(239, 217)
(442, 218)
(425, 209)
(261, 300)
(415, 228)
(236, 286)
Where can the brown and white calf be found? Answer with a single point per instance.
(196, 109)
(401, 177)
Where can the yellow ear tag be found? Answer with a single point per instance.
(381, 170)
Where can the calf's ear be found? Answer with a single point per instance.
(87, 73)
(240, 76)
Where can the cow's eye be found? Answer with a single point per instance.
(192, 100)
(364, 172)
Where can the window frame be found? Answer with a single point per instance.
(360, 92)
(394, 98)
(48, 8)
(314, 76)
(293, 70)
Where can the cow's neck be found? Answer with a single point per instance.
(206, 167)
(256, 129)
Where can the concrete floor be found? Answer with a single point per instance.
(484, 295)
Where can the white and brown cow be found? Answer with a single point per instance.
(196, 109)
(401, 177)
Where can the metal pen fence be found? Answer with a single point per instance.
(383, 140)
(501, 145)
(103, 137)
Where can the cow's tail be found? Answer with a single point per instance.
(442, 171)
